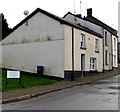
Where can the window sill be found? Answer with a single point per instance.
(92, 71)
(97, 52)
(83, 48)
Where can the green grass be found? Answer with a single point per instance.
(26, 80)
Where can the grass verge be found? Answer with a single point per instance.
(27, 81)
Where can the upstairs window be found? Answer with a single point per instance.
(106, 39)
(92, 64)
(114, 44)
(82, 41)
(96, 45)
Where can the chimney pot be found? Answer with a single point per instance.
(89, 12)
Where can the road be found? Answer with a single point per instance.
(101, 95)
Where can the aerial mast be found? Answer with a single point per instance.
(81, 7)
(74, 6)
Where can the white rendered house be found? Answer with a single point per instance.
(65, 49)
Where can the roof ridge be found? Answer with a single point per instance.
(102, 22)
(61, 20)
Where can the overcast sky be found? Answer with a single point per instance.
(104, 10)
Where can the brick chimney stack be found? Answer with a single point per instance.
(89, 12)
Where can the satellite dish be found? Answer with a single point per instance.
(26, 12)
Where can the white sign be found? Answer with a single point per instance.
(13, 74)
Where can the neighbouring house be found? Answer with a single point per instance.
(118, 52)
(110, 36)
(65, 49)
(110, 41)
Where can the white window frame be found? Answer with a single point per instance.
(82, 41)
(96, 45)
(92, 64)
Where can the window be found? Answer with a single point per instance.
(115, 60)
(114, 44)
(106, 43)
(92, 64)
(82, 41)
(106, 56)
(96, 45)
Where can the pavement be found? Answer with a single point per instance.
(27, 93)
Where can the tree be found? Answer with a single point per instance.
(5, 29)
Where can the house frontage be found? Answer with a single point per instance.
(109, 39)
(118, 52)
(65, 49)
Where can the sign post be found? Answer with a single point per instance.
(13, 75)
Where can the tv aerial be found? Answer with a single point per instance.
(26, 12)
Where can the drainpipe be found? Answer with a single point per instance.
(111, 52)
(103, 50)
(72, 77)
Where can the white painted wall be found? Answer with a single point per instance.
(40, 28)
(114, 51)
(39, 43)
(26, 57)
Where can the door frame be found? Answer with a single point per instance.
(82, 65)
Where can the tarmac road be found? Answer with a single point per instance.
(101, 95)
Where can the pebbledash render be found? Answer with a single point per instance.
(65, 49)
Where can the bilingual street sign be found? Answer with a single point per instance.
(13, 74)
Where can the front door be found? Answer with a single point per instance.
(82, 64)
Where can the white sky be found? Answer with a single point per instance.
(104, 10)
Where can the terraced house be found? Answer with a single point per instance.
(65, 49)
(109, 41)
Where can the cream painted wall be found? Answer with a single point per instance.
(108, 48)
(100, 30)
(89, 52)
(67, 47)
